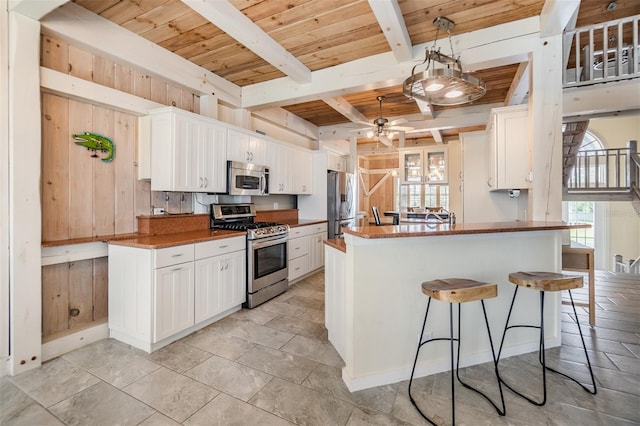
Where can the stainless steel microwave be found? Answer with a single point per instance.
(247, 179)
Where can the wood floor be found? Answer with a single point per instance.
(273, 365)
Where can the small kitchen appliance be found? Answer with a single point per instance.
(247, 179)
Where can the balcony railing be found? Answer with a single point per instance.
(603, 52)
(606, 170)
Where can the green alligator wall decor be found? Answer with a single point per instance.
(95, 143)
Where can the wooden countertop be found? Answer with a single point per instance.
(433, 229)
(337, 243)
(176, 238)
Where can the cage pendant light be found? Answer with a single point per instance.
(446, 84)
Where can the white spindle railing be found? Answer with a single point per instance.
(603, 52)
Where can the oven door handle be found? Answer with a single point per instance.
(269, 241)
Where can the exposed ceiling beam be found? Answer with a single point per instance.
(391, 22)
(593, 100)
(519, 88)
(556, 15)
(76, 25)
(474, 115)
(437, 136)
(425, 108)
(346, 109)
(225, 16)
(490, 47)
(34, 9)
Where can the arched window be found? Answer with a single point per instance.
(584, 211)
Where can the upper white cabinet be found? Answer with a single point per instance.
(246, 148)
(302, 172)
(336, 162)
(509, 157)
(425, 165)
(280, 162)
(187, 152)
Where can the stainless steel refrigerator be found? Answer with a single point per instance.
(341, 202)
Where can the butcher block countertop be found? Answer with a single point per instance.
(434, 229)
(337, 243)
(177, 238)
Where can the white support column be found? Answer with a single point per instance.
(24, 193)
(4, 188)
(545, 109)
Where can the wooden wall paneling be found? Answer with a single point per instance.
(80, 173)
(54, 168)
(123, 78)
(158, 91)
(186, 100)
(104, 176)
(80, 293)
(80, 63)
(142, 198)
(141, 85)
(100, 288)
(196, 104)
(174, 96)
(125, 172)
(55, 299)
(103, 71)
(54, 54)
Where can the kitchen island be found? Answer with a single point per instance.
(375, 306)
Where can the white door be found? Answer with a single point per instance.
(208, 289)
(233, 281)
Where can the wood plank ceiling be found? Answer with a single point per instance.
(325, 33)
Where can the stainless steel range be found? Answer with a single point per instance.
(267, 250)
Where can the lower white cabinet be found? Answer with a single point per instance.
(217, 286)
(172, 300)
(157, 296)
(306, 253)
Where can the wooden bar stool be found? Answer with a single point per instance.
(457, 290)
(544, 282)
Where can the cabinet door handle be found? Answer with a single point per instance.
(225, 246)
(206, 182)
(177, 269)
(177, 255)
(226, 266)
(489, 183)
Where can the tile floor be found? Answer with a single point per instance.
(273, 365)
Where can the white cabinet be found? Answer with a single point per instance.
(335, 295)
(220, 277)
(280, 164)
(426, 165)
(157, 296)
(172, 300)
(509, 157)
(336, 162)
(302, 172)
(246, 148)
(187, 152)
(306, 253)
(316, 250)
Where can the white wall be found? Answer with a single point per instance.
(622, 223)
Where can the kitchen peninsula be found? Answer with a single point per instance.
(375, 306)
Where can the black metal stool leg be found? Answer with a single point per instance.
(586, 354)
(413, 370)
(541, 353)
(453, 382)
(500, 411)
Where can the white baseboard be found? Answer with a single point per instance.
(427, 368)
(73, 341)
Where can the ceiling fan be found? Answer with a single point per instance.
(383, 130)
